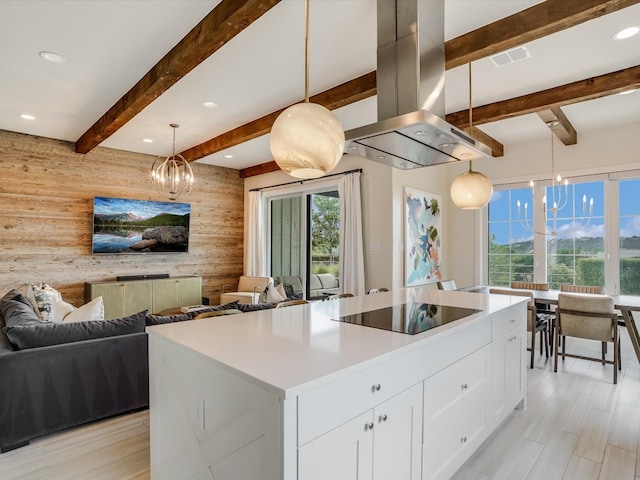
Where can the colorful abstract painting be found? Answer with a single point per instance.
(423, 224)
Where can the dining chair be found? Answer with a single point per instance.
(339, 295)
(290, 303)
(591, 317)
(544, 312)
(567, 287)
(217, 313)
(447, 285)
(377, 290)
(535, 325)
(530, 286)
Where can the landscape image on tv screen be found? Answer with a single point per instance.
(123, 225)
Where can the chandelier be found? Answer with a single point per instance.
(172, 176)
(307, 140)
(558, 193)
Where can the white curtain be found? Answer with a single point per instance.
(351, 250)
(255, 257)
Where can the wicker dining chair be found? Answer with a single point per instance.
(339, 295)
(567, 287)
(290, 303)
(377, 290)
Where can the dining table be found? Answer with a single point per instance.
(626, 304)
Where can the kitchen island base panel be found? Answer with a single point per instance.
(446, 389)
(242, 422)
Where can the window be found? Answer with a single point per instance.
(510, 242)
(629, 231)
(576, 254)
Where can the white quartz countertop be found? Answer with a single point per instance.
(293, 349)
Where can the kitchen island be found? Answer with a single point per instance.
(293, 393)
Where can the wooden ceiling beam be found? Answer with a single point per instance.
(259, 169)
(525, 26)
(497, 148)
(223, 23)
(336, 97)
(576, 92)
(560, 125)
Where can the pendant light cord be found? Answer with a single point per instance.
(470, 114)
(306, 51)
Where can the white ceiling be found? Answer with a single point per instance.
(110, 44)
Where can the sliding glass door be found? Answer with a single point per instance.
(304, 242)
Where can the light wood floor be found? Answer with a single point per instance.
(577, 426)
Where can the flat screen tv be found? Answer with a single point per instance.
(122, 225)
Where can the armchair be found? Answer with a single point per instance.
(248, 290)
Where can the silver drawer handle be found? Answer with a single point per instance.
(464, 386)
(376, 387)
(463, 439)
(513, 320)
(368, 426)
(382, 418)
(512, 339)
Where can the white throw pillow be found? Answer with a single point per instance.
(272, 295)
(60, 310)
(281, 292)
(42, 297)
(94, 310)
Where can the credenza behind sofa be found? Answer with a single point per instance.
(122, 298)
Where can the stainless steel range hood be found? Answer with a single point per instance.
(411, 132)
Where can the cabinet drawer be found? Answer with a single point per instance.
(465, 378)
(335, 403)
(509, 319)
(451, 437)
(328, 406)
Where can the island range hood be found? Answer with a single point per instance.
(410, 132)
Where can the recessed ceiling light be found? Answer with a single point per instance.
(53, 57)
(147, 140)
(626, 92)
(210, 104)
(626, 33)
(26, 116)
(228, 156)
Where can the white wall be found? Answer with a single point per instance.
(382, 215)
(462, 258)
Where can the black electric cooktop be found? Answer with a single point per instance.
(409, 318)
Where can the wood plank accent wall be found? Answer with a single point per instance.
(46, 203)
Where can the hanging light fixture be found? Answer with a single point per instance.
(307, 140)
(558, 193)
(172, 176)
(471, 190)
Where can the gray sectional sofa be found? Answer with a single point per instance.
(49, 384)
(320, 284)
(59, 375)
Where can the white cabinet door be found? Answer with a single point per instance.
(344, 453)
(397, 437)
(456, 402)
(507, 381)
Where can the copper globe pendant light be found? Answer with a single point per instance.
(172, 176)
(307, 140)
(471, 190)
